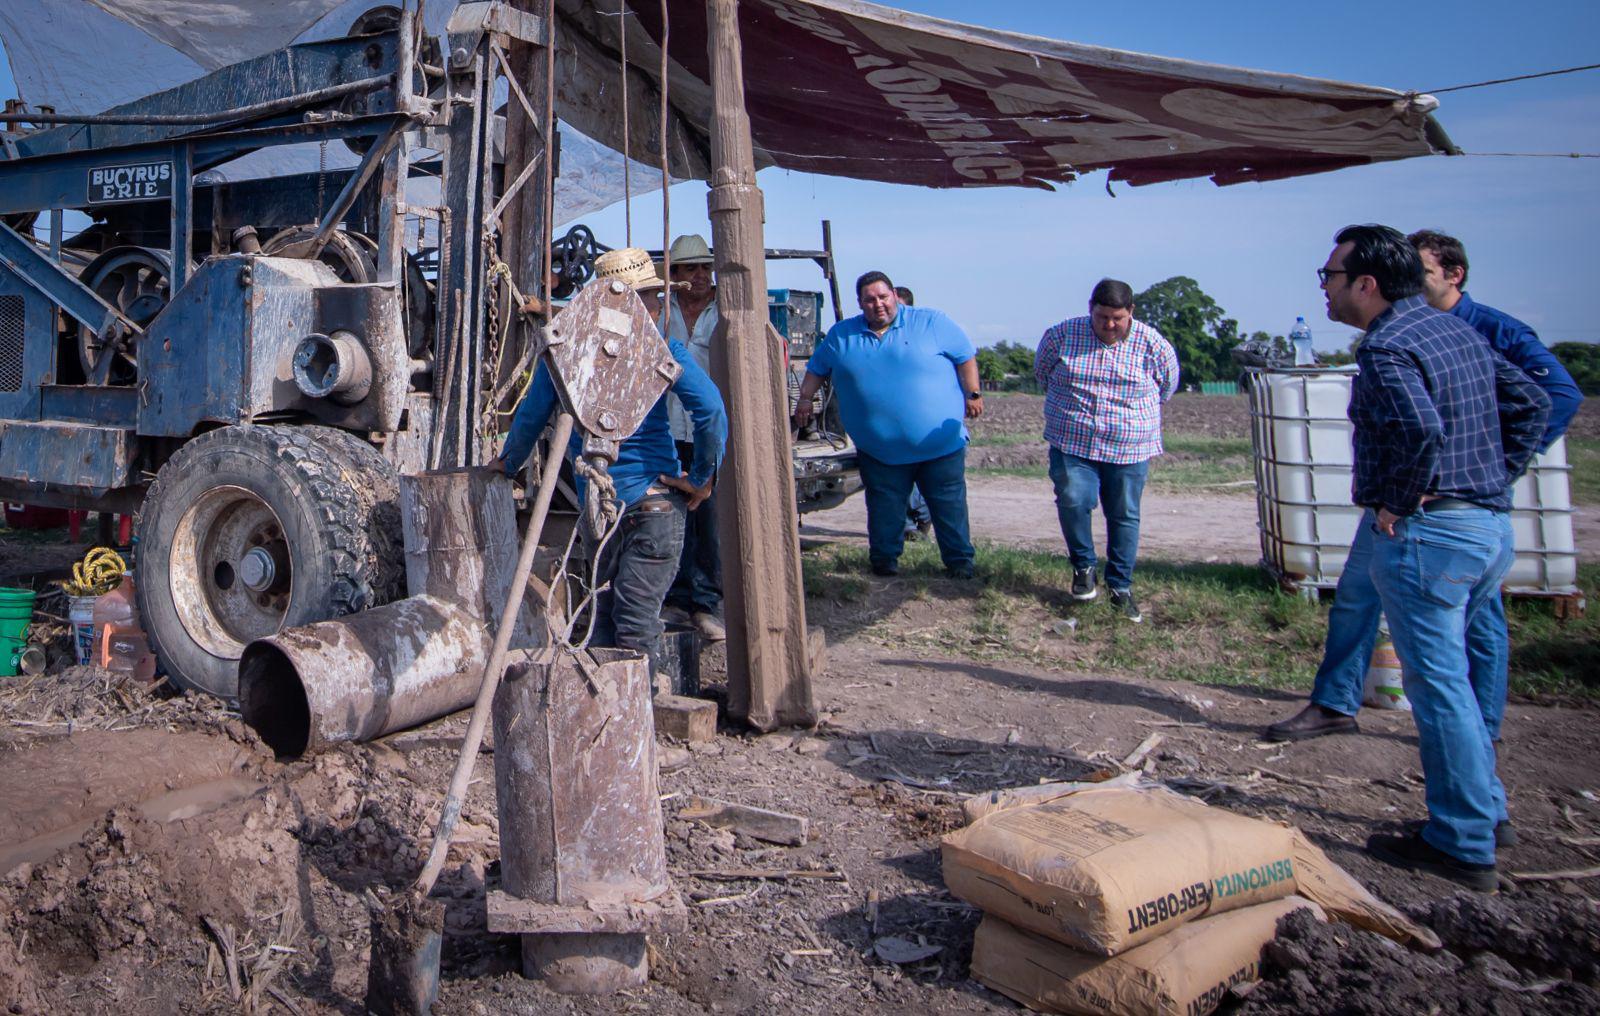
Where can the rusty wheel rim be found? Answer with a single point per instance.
(231, 573)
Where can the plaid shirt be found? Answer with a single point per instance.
(1103, 402)
(1437, 411)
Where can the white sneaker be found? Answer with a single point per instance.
(709, 626)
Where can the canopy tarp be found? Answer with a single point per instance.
(837, 87)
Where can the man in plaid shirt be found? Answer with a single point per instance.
(1443, 424)
(1104, 377)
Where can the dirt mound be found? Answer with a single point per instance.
(1549, 935)
(1331, 968)
(145, 915)
(73, 698)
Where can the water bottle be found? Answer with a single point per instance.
(1300, 336)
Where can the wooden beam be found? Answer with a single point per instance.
(769, 675)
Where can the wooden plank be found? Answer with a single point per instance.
(509, 915)
(769, 675)
(757, 823)
(687, 719)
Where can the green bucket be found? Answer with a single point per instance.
(16, 613)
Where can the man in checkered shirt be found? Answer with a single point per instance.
(1105, 377)
(1443, 425)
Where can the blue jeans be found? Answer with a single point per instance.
(943, 483)
(1429, 576)
(1353, 633)
(1117, 488)
(917, 512)
(698, 584)
(639, 562)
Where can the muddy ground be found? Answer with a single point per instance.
(179, 842)
(155, 857)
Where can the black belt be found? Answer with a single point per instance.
(1446, 504)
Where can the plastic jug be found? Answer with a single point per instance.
(119, 640)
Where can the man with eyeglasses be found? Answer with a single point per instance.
(1353, 623)
(1442, 426)
(696, 594)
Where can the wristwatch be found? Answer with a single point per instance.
(974, 396)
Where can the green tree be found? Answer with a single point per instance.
(990, 366)
(1016, 357)
(1582, 360)
(1198, 329)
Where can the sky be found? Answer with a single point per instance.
(1007, 263)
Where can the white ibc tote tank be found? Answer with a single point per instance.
(1301, 432)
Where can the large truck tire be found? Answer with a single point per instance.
(251, 529)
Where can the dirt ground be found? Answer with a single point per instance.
(182, 837)
(156, 858)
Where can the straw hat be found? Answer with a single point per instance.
(691, 249)
(631, 265)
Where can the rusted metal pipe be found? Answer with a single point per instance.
(362, 676)
(381, 670)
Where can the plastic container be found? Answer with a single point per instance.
(16, 613)
(80, 614)
(1301, 434)
(125, 650)
(119, 639)
(1384, 687)
(1300, 338)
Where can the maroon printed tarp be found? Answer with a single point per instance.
(853, 89)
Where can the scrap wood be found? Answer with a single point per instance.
(1148, 745)
(769, 874)
(1556, 876)
(757, 823)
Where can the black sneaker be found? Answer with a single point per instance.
(1417, 854)
(886, 570)
(1122, 600)
(1083, 587)
(962, 574)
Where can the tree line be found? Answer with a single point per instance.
(1204, 337)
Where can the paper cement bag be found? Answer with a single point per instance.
(1185, 973)
(1317, 878)
(1106, 868)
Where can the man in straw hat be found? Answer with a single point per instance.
(696, 593)
(641, 558)
(905, 379)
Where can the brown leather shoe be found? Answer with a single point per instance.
(1312, 721)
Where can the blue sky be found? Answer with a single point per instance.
(1006, 263)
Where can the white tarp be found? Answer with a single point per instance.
(146, 46)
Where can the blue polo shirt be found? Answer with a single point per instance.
(1518, 343)
(897, 393)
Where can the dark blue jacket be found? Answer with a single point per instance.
(1518, 343)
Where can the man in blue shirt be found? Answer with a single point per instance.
(906, 378)
(1442, 425)
(641, 559)
(1353, 622)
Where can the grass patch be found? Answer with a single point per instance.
(1005, 440)
(1583, 455)
(1206, 623)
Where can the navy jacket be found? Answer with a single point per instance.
(1518, 343)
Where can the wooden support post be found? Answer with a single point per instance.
(769, 677)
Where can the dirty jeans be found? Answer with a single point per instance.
(943, 483)
(639, 563)
(1429, 575)
(1117, 487)
(1353, 632)
(698, 584)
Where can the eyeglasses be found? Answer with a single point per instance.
(1323, 273)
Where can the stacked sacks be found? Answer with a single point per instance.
(1128, 898)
